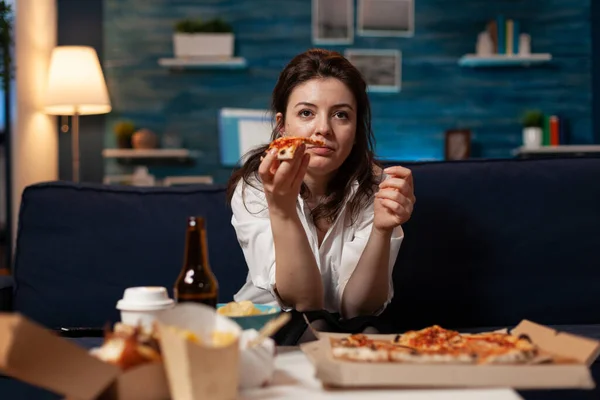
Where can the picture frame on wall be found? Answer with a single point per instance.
(333, 22)
(457, 144)
(386, 18)
(381, 68)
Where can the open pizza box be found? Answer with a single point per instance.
(189, 370)
(570, 368)
(38, 356)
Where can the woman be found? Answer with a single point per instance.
(321, 231)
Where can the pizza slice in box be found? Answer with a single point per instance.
(435, 345)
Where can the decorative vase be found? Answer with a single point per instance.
(144, 139)
(532, 137)
(524, 44)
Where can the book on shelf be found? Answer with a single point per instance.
(554, 131)
(505, 34)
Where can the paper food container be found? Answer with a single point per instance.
(35, 355)
(199, 369)
(575, 353)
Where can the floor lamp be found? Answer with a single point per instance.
(75, 87)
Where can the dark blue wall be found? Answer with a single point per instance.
(436, 93)
(595, 21)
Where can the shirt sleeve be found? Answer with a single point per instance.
(352, 251)
(252, 225)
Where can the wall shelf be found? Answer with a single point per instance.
(503, 60)
(572, 150)
(150, 156)
(203, 63)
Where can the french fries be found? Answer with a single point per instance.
(244, 308)
(217, 339)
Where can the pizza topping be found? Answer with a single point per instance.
(434, 337)
(437, 345)
(287, 145)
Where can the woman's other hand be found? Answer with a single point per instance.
(395, 199)
(282, 180)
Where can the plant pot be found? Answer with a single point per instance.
(124, 142)
(532, 137)
(203, 45)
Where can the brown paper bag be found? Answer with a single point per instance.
(199, 370)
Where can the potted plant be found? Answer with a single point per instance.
(197, 38)
(124, 130)
(533, 123)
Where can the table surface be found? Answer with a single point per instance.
(294, 379)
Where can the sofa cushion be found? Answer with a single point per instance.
(493, 242)
(80, 245)
(6, 292)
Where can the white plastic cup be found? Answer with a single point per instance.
(140, 305)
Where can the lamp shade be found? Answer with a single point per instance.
(75, 83)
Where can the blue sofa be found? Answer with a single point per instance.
(491, 242)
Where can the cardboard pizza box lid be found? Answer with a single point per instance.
(36, 355)
(347, 374)
(564, 344)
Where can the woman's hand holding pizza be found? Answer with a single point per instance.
(282, 180)
(395, 199)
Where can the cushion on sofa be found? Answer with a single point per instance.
(493, 242)
(80, 245)
(6, 293)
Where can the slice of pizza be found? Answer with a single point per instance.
(441, 356)
(359, 347)
(430, 338)
(287, 145)
(501, 348)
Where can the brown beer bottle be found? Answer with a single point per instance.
(196, 282)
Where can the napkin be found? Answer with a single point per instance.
(257, 364)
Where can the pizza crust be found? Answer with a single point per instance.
(364, 354)
(287, 153)
(432, 357)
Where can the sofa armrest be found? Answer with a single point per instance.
(6, 293)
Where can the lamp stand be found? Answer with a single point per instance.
(75, 146)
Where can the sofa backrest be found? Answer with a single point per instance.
(493, 242)
(489, 243)
(80, 245)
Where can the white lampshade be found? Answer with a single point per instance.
(75, 83)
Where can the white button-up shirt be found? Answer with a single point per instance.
(336, 258)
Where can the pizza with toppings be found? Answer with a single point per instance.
(430, 338)
(437, 345)
(361, 348)
(500, 348)
(287, 145)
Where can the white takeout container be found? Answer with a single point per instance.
(257, 364)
